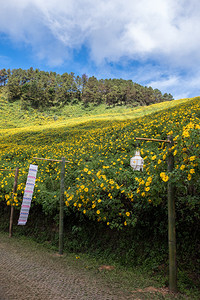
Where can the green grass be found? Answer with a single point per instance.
(13, 116)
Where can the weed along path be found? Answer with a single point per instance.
(30, 271)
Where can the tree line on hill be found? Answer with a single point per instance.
(40, 89)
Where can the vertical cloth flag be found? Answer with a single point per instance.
(28, 194)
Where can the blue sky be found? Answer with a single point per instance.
(154, 43)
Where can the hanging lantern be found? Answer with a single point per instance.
(137, 162)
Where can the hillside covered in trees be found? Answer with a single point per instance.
(40, 89)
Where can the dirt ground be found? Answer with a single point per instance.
(36, 274)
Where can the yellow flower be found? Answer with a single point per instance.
(153, 157)
(149, 179)
(182, 167)
(147, 189)
(128, 213)
(185, 133)
(189, 177)
(164, 177)
(86, 190)
(84, 211)
(98, 212)
(192, 171)
(192, 158)
(125, 223)
(141, 182)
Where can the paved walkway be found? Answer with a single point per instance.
(35, 274)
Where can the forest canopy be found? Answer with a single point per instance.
(41, 89)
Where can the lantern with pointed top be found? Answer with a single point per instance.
(137, 162)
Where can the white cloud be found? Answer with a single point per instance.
(179, 86)
(163, 31)
(165, 83)
(112, 29)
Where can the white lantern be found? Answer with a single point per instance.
(137, 162)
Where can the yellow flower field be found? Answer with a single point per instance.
(99, 181)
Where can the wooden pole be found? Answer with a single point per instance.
(62, 189)
(12, 207)
(171, 223)
(153, 140)
(171, 216)
(7, 169)
(49, 159)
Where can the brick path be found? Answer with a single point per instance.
(41, 275)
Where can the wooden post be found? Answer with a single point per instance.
(171, 216)
(12, 207)
(171, 223)
(62, 188)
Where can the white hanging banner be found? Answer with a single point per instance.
(28, 194)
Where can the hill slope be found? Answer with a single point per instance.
(13, 116)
